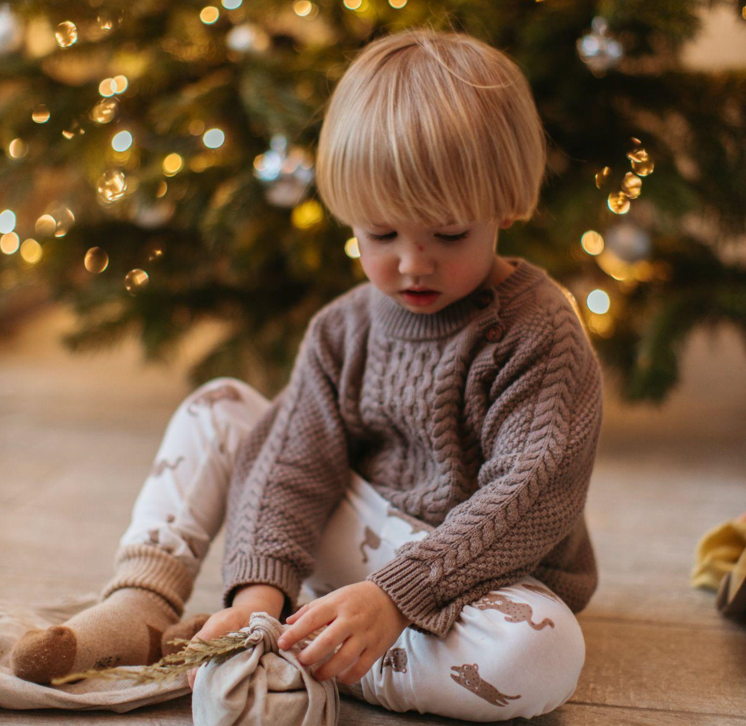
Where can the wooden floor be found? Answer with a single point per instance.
(78, 435)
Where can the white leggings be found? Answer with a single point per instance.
(516, 652)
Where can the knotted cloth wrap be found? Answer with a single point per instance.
(263, 685)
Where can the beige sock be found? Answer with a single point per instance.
(145, 597)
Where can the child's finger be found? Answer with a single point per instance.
(309, 621)
(191, 676)
(297, 613)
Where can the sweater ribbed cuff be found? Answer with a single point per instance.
(407, 583)
(149, 567)
(257, 569)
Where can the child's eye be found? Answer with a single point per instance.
(452, 237)
(390, 235)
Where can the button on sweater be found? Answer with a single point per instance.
(481, 419)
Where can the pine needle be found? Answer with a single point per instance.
(198, 652)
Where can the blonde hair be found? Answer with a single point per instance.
(433, 127)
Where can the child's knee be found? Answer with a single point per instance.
(532, 672)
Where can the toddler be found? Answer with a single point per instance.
(423, 475)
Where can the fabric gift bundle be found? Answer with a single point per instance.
(257, 684)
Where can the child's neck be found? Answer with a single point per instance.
(501, 271)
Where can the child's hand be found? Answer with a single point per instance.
(365, 620)
(251, 599)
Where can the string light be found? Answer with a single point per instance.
(31, 251)
(302, 8)
(351, 248)
(172, 164)
(209, 15)
(9, 243)
(232, 4)
(598, 301)
(213, 138)
(121, 141)
(592, 242)
(307, 215)
(7, 221)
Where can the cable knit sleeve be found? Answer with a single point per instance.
(284, 490)
(539, 439)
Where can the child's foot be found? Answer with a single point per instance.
(124, 629)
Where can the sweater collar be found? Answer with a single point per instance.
(397, 321)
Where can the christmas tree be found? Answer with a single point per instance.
(158, 169)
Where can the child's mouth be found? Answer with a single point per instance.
(422, 298)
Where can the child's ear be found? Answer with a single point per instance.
(505, 223)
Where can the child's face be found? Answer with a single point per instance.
(411, 255)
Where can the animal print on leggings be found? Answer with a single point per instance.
(416, 525)
(396, 659)
(468, 676)
(371, 539)
(160, 466)
(518, 612)
(211, 397)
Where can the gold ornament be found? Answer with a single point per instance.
(96, 260)
(603, 176)
(644, 168)
(40, 114)
(135, 280)
(618, 203)
(111, 185)
(17, 149)
(46, 225)
(66, 34)
(631, 185)
(104, 111)
(64, 219)
(637, 153)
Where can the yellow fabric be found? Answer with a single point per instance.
(718, 552)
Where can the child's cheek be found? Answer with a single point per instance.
(377, 270)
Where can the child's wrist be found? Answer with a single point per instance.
(254, 593)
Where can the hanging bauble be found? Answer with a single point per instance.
(629, 242)
(10, 31)
(286, 174)
(247, 38)
(598, 49)
(152, 214)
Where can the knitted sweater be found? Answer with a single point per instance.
(481, 419)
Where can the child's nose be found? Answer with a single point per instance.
(415, 264)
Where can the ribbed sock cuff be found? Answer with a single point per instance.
(149, 567)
